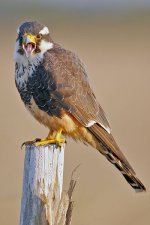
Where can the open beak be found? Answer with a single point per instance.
(29, 44)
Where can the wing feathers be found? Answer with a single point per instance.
(72, 82)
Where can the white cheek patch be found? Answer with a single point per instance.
(18, 58)
(44, 31)
(16, 55)
(45, 46)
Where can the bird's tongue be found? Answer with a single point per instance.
(29, 48)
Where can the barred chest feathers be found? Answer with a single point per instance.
(25, 72)
(40, 96)
(38, 89)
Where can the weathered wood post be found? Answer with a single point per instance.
(43, 202)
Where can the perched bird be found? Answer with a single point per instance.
(54, 87)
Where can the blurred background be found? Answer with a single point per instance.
(112, 37)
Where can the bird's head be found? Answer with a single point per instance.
(33, 38)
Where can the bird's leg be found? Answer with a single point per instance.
(51, 140)
(58, 139)
(50, 136)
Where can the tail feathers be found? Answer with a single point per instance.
(134, 182)
(130, 177)
(108, 147)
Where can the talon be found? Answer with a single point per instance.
(52, 140)
(37, 139)
(22, 145)
(60, 141)
(30, 142)
(49, 140)
(46, 141)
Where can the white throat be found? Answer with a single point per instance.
(33, 58)
(45, 46)
(27, 65)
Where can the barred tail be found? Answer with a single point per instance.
(130, 177)
(108, 147)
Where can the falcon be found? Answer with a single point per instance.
(54, 86)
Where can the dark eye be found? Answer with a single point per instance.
(39, 36)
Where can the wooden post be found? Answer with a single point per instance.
(43, 202)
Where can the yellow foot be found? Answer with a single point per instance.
(49, 140)
(46, 141)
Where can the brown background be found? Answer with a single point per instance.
(116, 49)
